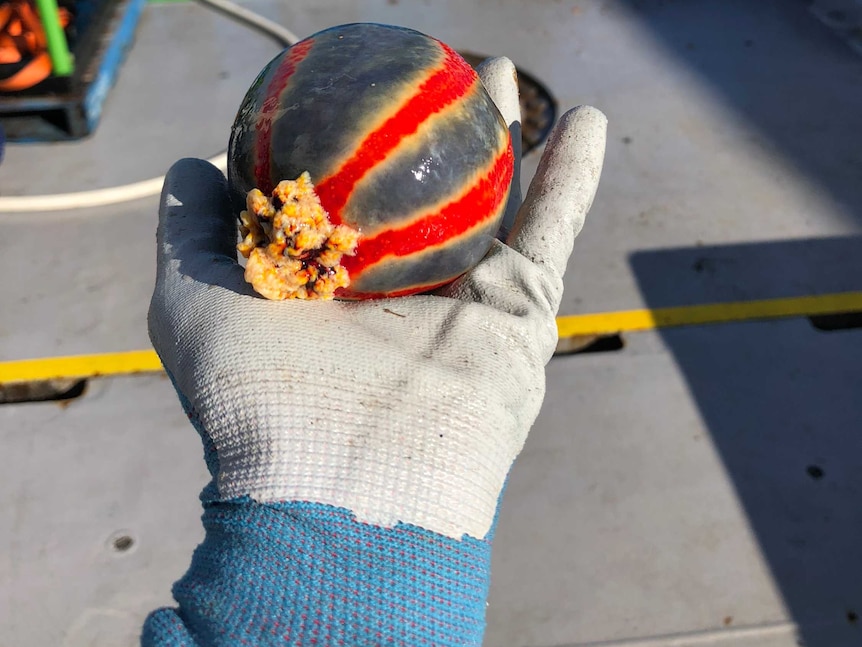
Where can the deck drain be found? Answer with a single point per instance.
(583, 344)
(538, 106)
(61, 391)
(840, 321)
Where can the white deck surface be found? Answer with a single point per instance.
(665, 496)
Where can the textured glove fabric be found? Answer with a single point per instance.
(298, 573)
(308, 574)
(358, 450)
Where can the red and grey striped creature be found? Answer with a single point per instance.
(401, 141)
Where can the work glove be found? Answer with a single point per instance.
(358, 450)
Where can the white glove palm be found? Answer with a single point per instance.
(410, 409)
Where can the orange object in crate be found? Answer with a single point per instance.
(24, 59)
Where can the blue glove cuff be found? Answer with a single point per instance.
(305, 573)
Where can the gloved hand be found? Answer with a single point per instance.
(359, 449)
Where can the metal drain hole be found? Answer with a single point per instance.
(62, 391)
(815, 471)
(538, 106)
(123, 543)
(841, 321)
(583, 344)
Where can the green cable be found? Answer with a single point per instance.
(58, 48)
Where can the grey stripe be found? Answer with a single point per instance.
(436, 170)
(352, 73)
(445, 264)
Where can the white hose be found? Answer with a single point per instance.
(94, 198)
(284, 36)
(144, 188)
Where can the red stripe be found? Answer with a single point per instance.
(449, 83)
(481, 203)
(268, 111)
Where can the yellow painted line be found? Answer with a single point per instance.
(80, 366)
(603, 323)
(608, 323)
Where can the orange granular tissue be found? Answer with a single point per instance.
(293, 250)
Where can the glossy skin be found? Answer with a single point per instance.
(401, 140)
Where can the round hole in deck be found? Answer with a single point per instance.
(123, 543)
(815, 471)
